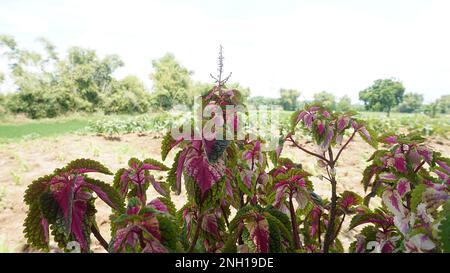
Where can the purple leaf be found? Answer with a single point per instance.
(157, 204)
(259, 232)
(393, 202)
(151, 225)
(246, 176)
(320, 127)
(154, 246)
(228, 188)
(348, 201)
(180, 166)
(302, 198)
(44, 224)
(300, 116)
(403, 186)
(414, 156)
(390, 139)
(426, 153)
(444, 166)
(204, 173)
(388, 176)
(400, 163)
(209, 225)
(78, 214)
(280, 188)
(419, 243)
(314, 108)
(157, 186)
(308, 119)
(366, 133)
(102, 195)
(342, 123)
(329, 137)
(314, 220)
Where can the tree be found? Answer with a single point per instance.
(260, 100)
(127, 96)
(39, 95)
(288, 99)
(383, 95)
(325, 99)
(443, 104)
(344, 104)
(84, 73)
(412, 102)
(48, 86)
(171, 82)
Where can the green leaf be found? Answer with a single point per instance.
(274, 235)
(360, 219)
(110, 192)
(33, 231)
(49, 207)
(282, 229)
(281, 217)
(169, 232)
(416, 196)
(367, 177)
(167, 144)
(371, 138)
(172, 175)
(169, 204)
(230, 244)
(117, 183)
(156, 163)
(444, 228)
(240, 215)
(86, 165)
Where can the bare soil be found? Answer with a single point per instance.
(22, 162)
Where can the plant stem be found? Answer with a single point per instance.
(308, 152)
(319, 232)
(225, 216)
(196, 234)
(329, 235)
(99, 237)
(372, 193)
(295, 234)
(345, 145)
(339, 227)
(420, 166)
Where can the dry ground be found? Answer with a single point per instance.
(22, 162)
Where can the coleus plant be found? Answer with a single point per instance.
(64, 203)
(243, 198)
(275, 206)
(144, 226)
(328, 130)
(413, 182)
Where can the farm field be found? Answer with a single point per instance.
(56, 142)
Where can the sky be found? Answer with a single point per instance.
(337, 46)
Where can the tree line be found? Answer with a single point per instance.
(49, 85)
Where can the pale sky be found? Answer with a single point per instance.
(339, 46)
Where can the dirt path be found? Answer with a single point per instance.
(21, 163)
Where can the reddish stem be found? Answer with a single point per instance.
(308, 152)
(295, 234)
(420, 166)
(345, 145)
(196, 234)
(99, 237)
